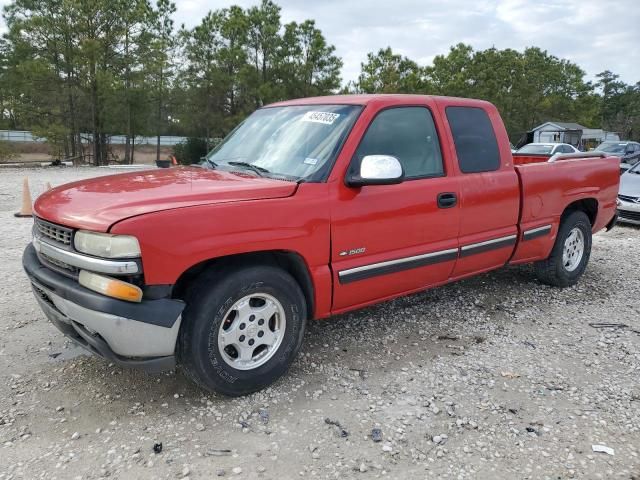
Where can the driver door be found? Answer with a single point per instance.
(392, 239)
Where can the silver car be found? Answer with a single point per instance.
(547, 148)
(629, 196)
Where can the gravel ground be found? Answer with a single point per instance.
(493, 377)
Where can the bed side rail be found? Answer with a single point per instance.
(568, 156)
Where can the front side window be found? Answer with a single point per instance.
(294, 143)
(407, 133)
(474, 139)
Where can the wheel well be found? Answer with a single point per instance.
(586, 205)
(291, 262)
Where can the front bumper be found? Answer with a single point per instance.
(628, 212)
(141, 335)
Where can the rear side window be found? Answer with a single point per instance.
(407, 133)
(474, 139)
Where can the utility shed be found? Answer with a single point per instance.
(557, 132)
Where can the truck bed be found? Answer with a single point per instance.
(548, 185)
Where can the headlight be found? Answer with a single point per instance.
(105, 245)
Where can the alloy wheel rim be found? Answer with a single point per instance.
(251, 331)
(573, 250)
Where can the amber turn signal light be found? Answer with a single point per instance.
(110, 287)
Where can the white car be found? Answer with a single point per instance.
(547, 148)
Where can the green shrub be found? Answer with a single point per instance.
(7, 153)
(56, 136)
(190, 151)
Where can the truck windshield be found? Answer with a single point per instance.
(293, 143)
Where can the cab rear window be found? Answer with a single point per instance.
(474, 139)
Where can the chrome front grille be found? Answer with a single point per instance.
(57, 263)
(53, 233)
(628, 198)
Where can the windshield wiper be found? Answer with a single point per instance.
(211, 162)
(259, 170)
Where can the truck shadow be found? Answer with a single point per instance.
(425, 324)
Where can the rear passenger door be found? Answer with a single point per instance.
(489, 189)
(391, 239)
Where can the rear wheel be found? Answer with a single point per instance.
(242, 329)
(570, 254)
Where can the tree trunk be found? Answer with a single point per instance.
(127, 151)
(66, 146)
(127, 84)
(159, 113)
(128, 157)
(97, 153)
(133, 145)
(73, 124)
(104, 160)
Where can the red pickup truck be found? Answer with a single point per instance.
(309, 208)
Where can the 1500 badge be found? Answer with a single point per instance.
(353, 251)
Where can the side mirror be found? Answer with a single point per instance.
(377, 170)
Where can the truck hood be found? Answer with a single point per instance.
(630, 184)
(97, 203)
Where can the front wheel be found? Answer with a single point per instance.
(570, 254)
(242, 329)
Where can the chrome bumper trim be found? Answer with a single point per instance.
(114, 267)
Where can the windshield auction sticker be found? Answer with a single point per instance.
(320, 117)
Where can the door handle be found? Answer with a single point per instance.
(447, 200)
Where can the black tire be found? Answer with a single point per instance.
(552, 271)
(214, 293)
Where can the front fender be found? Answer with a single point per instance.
(173, 241)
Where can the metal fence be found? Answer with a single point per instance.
(25, 136)
(19, 136)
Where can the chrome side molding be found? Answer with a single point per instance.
(536, 232)
(397, 265)
(485, 246)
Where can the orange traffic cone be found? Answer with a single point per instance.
(26, 210)
(174, 161)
